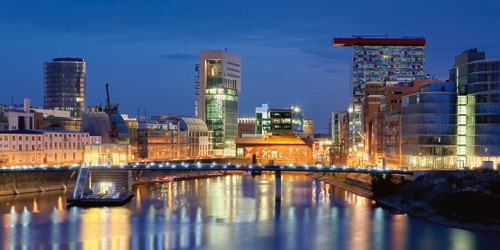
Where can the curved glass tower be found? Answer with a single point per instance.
(64, 85)
(429, 126)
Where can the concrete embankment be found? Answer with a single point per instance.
(358, 184)
(22, 182)
(29, 182)
(444, 197)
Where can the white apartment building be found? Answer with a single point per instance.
(35, 147)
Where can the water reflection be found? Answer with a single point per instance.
(227, 212)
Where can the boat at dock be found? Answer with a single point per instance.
(100, 200)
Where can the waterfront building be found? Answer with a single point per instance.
(275, 149)
(340, 128)
(106, 154)
(218, 82)
(429, 126)
(35, 147)
(172, 138)
(390, 108)
(372, 131)
(372, 148)
(64, 85)
(322, 150)
(478, 113)
(132, 126)
(375, 59)
(246, 125)
(99, 123)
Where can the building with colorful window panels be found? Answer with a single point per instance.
(375, 59)
(429, 127)
(37, 147)
(478, 108)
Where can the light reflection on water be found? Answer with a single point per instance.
(226, 213)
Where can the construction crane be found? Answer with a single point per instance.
(112, 126)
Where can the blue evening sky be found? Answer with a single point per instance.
(146, 50)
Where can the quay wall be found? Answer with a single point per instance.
(22, 182)
(38, 181)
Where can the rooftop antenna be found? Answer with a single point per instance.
(226, 49)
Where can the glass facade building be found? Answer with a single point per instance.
(64, 85)
(376, 59)
(429, 126)
(218, 81)
(478, 89)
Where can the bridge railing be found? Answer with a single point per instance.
(215, 166)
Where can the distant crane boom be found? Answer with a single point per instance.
(112, 126)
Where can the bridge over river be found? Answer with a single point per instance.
(40, 178)
(277, 169)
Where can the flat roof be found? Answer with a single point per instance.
(352, 41)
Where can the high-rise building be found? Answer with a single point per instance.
(64, 88)
(375, 59)
(218, 82)
(478, 108)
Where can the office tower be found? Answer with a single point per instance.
(64, 87)
(375, 59)
(478, 108)
(218, 81)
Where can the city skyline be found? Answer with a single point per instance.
(151, 48)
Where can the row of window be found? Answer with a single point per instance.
(430, 129)
(435, 119)
(48, 146)
(39, 138)
(427, 109)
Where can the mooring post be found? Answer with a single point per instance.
(277, 175)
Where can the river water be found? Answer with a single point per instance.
(228, 212)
